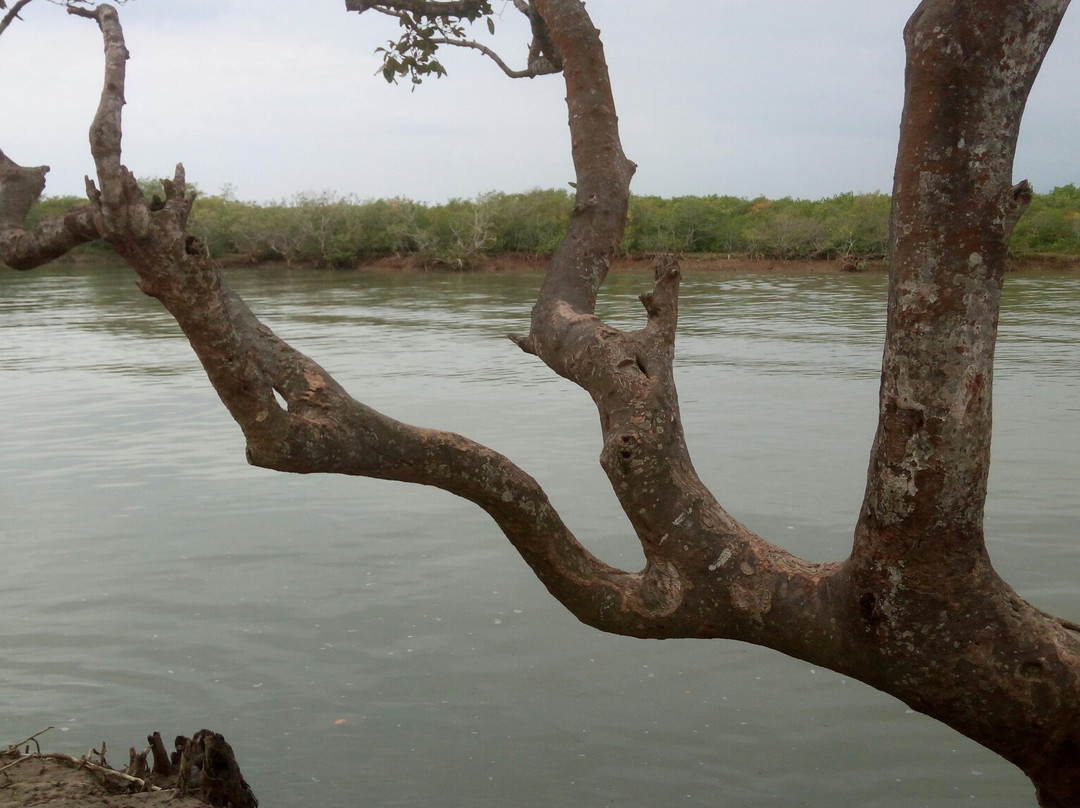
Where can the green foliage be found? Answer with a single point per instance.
(331, 230)
(328, 229)
(531, 223)
(320, 228)
(784, 228)
(52, 206)
(1051, 224)
(413, 54)
(844, 225)
(686, 224)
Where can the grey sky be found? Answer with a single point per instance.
(743, 97)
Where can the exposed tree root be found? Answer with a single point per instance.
(201, 770)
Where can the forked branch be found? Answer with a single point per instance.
(318, 427)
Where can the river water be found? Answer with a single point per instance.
(370, 643)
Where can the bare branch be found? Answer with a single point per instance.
(423, 8)
(693, 547)
(602, 170)
(538, 67)
(50, 239)
(13, 13)
(21, 187)
(321, 428)
(21, 249)
(105, 130)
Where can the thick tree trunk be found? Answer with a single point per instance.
(917, 610)
(982, 659)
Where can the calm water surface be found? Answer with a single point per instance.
(362, 642)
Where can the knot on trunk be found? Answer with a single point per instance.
(661, 589)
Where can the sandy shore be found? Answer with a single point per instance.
(58, 783)
(204, 764)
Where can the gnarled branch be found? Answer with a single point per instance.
(51, 238)
(321, 428)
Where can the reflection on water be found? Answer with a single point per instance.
(361, 641)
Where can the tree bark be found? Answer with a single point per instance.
(53, 237)
(917, 610)
(974, 654)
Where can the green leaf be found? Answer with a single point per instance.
(491, 25)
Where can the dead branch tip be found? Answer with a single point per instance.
(526, 343)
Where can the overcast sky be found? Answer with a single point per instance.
(277, 97)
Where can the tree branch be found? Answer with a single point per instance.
(709, 562)
(50, 239)
(537, 67)
(687, 537)
(468, 9)
(542, 49)
(13, 13)
(21, 187)
(21, 249)
(603, 172)
(430, 25)
(117, 183)
(321, 428)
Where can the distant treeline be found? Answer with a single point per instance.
(332, 230)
